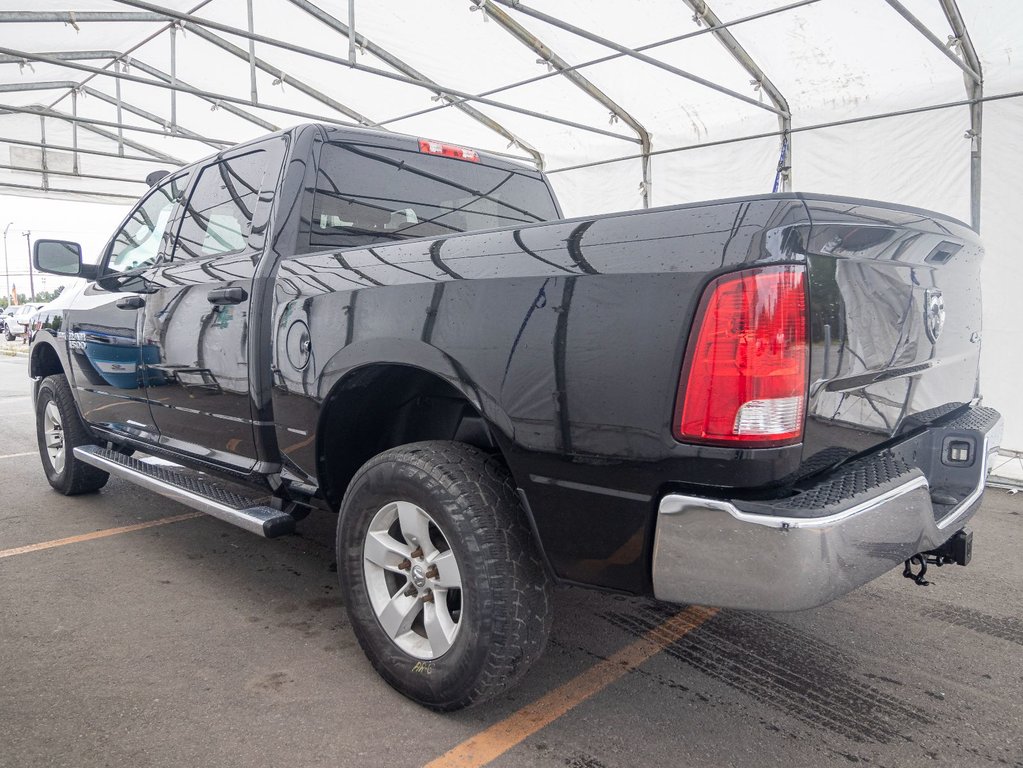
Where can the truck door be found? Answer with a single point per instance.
(102, 333)
(197, 316)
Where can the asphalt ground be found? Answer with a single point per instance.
(194, 643)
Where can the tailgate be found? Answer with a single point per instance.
(895, 321)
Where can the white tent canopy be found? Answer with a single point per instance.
(624, 104)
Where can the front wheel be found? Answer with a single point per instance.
(60, 430)
(440, 574)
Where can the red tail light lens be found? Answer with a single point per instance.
(744, 379)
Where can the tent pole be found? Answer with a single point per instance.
(252, 55)
(427, 84)
(965, 66)
(603, 59)
(74, 131)
(351, 27)
(120, 121)
(176, 130)
(43, 159)
(975, 90)
(548, 56)
(630, 52)
(798, 129)
(174, 76)
(703, 12)
(80, 150)
(354, 38)
(110, 124)
(265, 66)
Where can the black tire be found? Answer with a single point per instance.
(75, 476)
(505, 595)
(8, 335)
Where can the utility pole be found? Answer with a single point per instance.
(31, 277)
(7, 270)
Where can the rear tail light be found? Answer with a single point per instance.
(448, 150)
(744, 379)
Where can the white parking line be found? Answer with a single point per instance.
(16, 455)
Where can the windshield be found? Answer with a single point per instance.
(367, 194)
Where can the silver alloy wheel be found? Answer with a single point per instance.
(413, 580)
(53, 432)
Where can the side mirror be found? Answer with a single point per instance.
(61, 257)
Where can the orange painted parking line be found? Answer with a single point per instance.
(500, 737)
(96, 535)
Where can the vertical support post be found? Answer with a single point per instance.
(174, 75)
(351, 29)
(120, 121)
(252, 55)
(42, 150)
(976, 130)
(31, 272)
(74, 133)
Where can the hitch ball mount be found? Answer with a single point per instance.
(958, 550)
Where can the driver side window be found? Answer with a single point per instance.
(137, 244)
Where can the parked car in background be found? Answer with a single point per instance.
(7, 312)
(51, 315)
(16, 323)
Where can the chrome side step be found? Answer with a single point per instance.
(193, 489)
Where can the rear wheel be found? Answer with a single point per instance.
(60, 430)
(443, 584)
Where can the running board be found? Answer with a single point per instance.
(193, 489)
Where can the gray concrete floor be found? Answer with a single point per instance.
(197, 644)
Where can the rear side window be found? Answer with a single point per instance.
(368, 194)
(218, 217)
(137, 243)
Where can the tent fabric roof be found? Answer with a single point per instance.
(158, 83)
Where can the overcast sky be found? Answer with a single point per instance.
(89, 224)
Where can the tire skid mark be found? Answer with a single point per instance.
(1002, 627)
(798, 674)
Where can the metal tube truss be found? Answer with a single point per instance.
(179, 87)
(426, 84)
(609, 57)
(354, 38)
(75, 149)
(88, 121)
(534, 43)
(279, 73)
(170, 128)
(763, 82)
(87, 193)
(966, 67)
(795, 129)
(630, 52)
(94, 127)
(136, 64)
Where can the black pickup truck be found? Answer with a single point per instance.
(757, 403)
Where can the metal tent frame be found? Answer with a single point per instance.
(129, 67)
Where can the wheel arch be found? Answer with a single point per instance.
(380, 405)
(44, 360)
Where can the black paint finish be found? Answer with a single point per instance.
(567, 337)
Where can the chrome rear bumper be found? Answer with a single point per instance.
(712, 552)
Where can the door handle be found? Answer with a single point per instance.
(130, 302)
(221, 296)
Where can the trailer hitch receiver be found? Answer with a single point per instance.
(958, 550)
